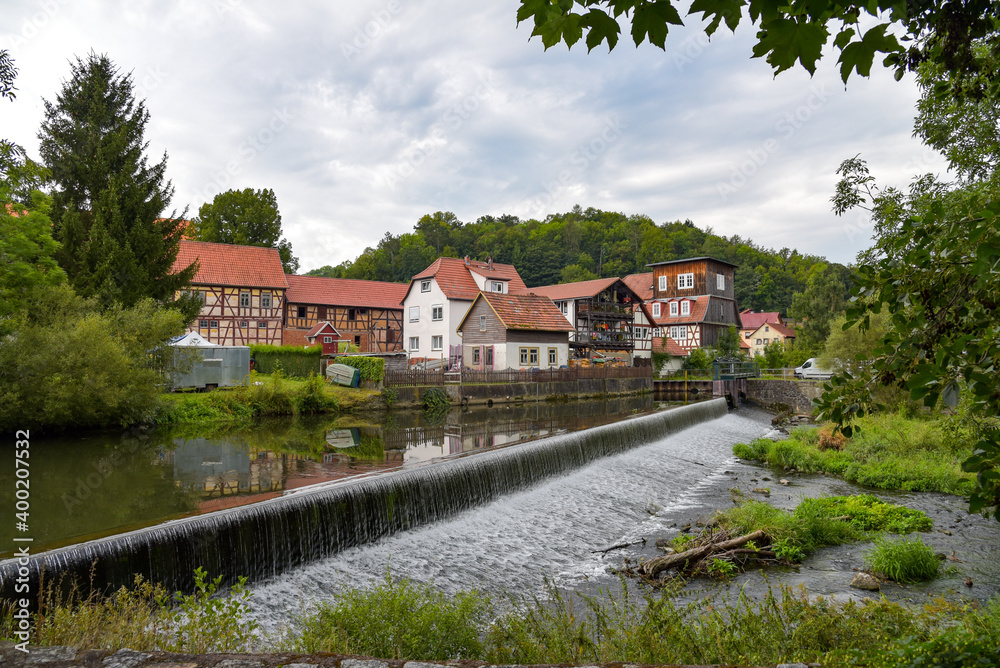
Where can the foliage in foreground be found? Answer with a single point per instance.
(903, 560)
(891, 452)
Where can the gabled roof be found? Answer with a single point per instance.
(578, 290)
(641, 284)
(691, 259)
(699, 307)
(665, 344)
(524, 312)
(786, 332)
(454, 277)
(744, 344)
(345, 292)
(231, 265)
(753, 320)
(322, 327)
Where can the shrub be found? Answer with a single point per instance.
(312, 398)
(904, 561)
(435, 399)
(293, 361)
(828, 440)
(755, 450)
(372, 369)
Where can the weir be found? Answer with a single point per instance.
(268, 538)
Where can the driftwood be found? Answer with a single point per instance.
(691, 557)
(618, 546)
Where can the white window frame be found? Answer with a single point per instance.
(720, 282)
(437, 312)
(425, 286)
(663, 283)
(414, 344)
(482, 323)
(685, 307)
(673, 309)
(497, 286)
(563, 307)
(679, 333)
(414, 314)
(437, 342)
(656, 310)
(261, 324)
(685, 281)
(327, 339)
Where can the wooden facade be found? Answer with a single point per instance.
(234, 316)
(706, 285)
(372, 330)
(605, 322)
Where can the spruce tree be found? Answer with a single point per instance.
(108, 199)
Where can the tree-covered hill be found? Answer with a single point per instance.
(590, 243)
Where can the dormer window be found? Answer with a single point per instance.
(656, 310)
(497, 286)
(685, 308)
(673, 309)
(425, 286)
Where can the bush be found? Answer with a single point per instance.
(756, 450)
(292, 361)
(312, 398)
(372, 368)
(904, 561)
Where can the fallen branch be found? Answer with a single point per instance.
(689, 558)
(619, 546)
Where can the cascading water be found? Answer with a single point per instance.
(272, 537)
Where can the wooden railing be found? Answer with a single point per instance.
(414, 377)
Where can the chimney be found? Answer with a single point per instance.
(489, 262)
(466, 260)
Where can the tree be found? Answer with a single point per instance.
(728, 343)
(8, 73)
(108, 200)
(248, 218)
(824, 298)
(795, 31)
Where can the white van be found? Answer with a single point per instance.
(810, 369)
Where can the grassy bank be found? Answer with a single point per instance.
(396, 619)
(261, 396)
(891, 452)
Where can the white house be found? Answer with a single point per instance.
(440, 296)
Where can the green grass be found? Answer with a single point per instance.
(890, 452)
(903, 560)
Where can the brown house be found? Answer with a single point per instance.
(368, 314)
(693, 300)
(504, 331)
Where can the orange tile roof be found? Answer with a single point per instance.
(345, 292)
(786, 332)
(699, 307)
(744, 344)
(319, 327)
(231, 265)
(641, 284)
(665, 344)
(455, 279)
(525, 312)
(753, 320)
(577, 290)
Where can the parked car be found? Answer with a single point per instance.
(810, 369)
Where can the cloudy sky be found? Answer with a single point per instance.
(365, 115)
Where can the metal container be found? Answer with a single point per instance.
(214, 366)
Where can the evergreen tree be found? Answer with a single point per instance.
(108, 199)
(246, 217)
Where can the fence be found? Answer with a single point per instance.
(417, 377)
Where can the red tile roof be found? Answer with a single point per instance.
(699, 307)
(345, 292)
(578, 290)
(752, 320)
(454, 277)
(525, 312)
(319, 327)
(744, 344)
(786, 332)
(665, 344)
(231, 265)
(641, 284)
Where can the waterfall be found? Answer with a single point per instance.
(264, 539)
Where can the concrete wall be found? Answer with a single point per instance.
(784, 395)
(500, 393)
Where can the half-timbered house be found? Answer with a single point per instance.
(642, 286)
(601, 313)
(367, 314)
(693, 300)
(242, 289)
(504, 331)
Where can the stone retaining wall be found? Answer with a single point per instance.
(515, 392)
(780, 396)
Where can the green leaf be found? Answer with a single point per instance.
(785, 41)
(652, 20)
(950, 394)
(714, 11)
(859, 55)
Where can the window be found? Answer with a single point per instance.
(685, 308)
(489, 356)
(720, 282)
(414, 314)
(656, 310)
(437, 312)
(215, 324)
(679, 333)
(244, 324)
(497, 286)
(265, 300)
(685, 281)
(301, 312)
(747, 335)
(673, 309)
(414, 343)
(553, 356)
(482, 323)
(437, 342)
(357, 340)
(765, 342)
(663, 283)
(475, 356)
(327, 339)
(261, 325)
(529, 356)
(758, 342)
(244, 300)
(425, 286)
(766, 328)
(563, 307)
(203, 323)
(352, 314)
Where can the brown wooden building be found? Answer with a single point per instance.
(693, 300)
(368, 314)
(243, 290)
(504, 331)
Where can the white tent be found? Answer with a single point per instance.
(193, 339)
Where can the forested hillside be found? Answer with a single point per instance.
(590, 243)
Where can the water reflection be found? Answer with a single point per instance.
(103, 484)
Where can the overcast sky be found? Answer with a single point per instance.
(365, 115)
